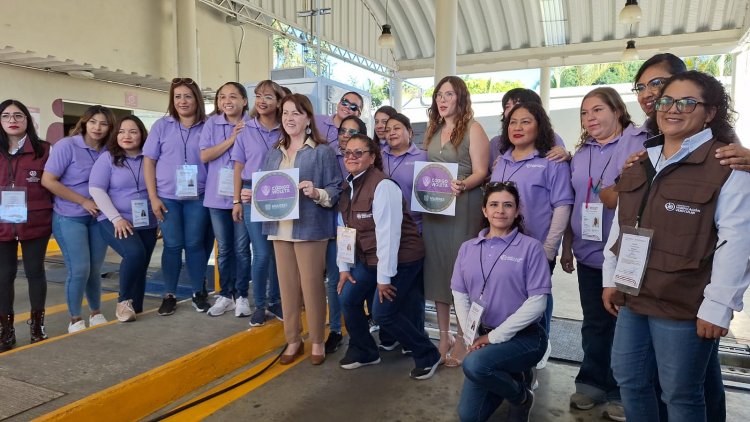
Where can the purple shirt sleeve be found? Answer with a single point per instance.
(457, 280)
(539, 280)
(560, 188)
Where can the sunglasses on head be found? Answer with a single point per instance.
(186, 81)
(356, 154)
(351, 106)
(496, 185)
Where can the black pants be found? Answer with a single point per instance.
(34, 251)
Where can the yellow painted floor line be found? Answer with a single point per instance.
(54, 309)
(205, 409)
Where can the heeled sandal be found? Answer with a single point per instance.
(452, 342)
(453, 361)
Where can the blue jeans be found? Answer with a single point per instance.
(415, 311)
(184, 227)
(234, 253)
(595, 377)
(547, 320)
(332, 282)
(83, 250)
(644, 346)
(136, 253)
(391, 315)
(265, 277)
(498, 372)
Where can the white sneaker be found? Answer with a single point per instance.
(543, 363)
(242, 307)
(221, 305)
(77, 326)
(124, 311)
(97, 319)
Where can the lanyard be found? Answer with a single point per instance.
(136, 178)
(12, 170)
(485, 278)
(263, 139)
(505, 167)
(650, 175)
(184, 140)
(591, 187)
(93, 160)
(403, 158)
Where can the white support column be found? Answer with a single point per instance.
(544, 86)
(187, 39)
(397, 86)
(446, 38)
(740, 88)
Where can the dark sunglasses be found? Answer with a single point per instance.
(186, 81)
(356, 154)
(497, 185)
(351, 132)
(654, 85)
(350, 105)
(684, 105)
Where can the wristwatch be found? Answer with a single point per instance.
(236, 201)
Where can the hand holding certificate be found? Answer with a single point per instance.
(275, 195)
(432, 191)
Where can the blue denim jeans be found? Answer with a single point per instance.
(332, 282)
(264, 275)
(415, 309)
(547, 320)
(83, 250)
(136, 253)
(595, 377)
(391, 315)
(184, 227)
(234, 253)
(644, 346)
(498, 372)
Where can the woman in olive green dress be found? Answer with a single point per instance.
(453, 137)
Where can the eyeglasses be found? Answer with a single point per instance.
(351, 132)
(684, 105)
(17, 117)
(497, 185)
(654, 85)
(356, 154)
(350, 105)
(448, 95)
(266, 98)
(186, 81)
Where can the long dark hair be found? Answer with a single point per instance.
(373, 146)
(31, 135)
(115, 150)
(545, 138)
(80, 127)
(200, 107)
(464, 112)
(243, 93)
(510, 187)
(387, 110)
(715, 97)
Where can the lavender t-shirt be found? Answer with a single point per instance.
(171, 145)
(216, 130)
(543, 185)
(495, 147)
(326, 128)
(335, 146)
(71, 161)
(401, 169)
(123, 184)
(252, 145)
(520, 271)
(630, 142)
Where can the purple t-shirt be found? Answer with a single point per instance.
(495, 147)
(596, 161)
(401, 169)
(171, 145)
(326, 128)
(520, 271)
(630, 142)
(216, 130)
(543, 185)
(123, 184)
(339, 157)
(252, 145)
(71, 161)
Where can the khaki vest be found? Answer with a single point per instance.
(357, 214)
(680, 209)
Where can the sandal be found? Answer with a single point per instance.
(454, 360)
(452, 342)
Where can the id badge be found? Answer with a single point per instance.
(635, 245)
(187, 181)
(591, 221)
(345, 244)
(226, 181)
(13, 207)
(474, 321)
(139, 208)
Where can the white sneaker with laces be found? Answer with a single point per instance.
(242, 307)
(124, 311)
(76, 327)
(221, 305)
(97, 319)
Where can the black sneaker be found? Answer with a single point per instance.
(200, 302)
(258, 317)
(425, 373)
(275, 311)
(168, 305)
(334, 341)
(349, 363)
(521, 412)
(388, 347)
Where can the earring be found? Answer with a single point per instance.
(308, 130)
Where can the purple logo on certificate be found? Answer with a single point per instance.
(433, 192)
(275, 195)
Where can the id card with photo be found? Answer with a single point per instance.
(187, 181)
(474, 321)
(13, 207)
(345, 244)
(632, 260)
(139, 208)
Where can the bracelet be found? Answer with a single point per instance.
(236, 201)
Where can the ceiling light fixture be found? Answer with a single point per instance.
(386, 39)
(631, 13)
(630, 53)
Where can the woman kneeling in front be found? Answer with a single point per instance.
(500, 285)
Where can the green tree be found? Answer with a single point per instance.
(289, 53)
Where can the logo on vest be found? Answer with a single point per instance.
(363, 215)
(681, 208)
(33, 177)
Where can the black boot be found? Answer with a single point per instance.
(7, 333)
(37, 326)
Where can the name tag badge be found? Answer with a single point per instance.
(345, 244)
(474, 321)
(139, 208)
(591, 221)
(13, 207)
(635, 245)
(226, 181)
(187, 181)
